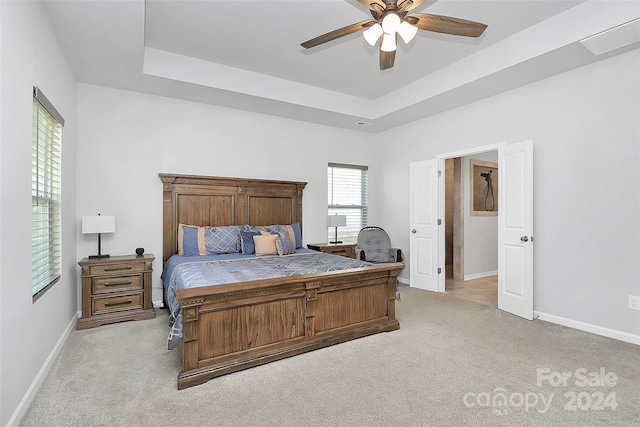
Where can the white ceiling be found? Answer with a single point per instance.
(247, 54)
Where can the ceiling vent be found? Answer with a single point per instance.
(613, 38)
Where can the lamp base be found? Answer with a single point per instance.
(336, 242)
(99, 256)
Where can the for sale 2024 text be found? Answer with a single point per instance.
(583, 378)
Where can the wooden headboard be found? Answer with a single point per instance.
(217, 201)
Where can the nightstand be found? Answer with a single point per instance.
(115, 289)
(343, 249)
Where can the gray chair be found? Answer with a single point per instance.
(374, 245)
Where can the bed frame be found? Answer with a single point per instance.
(230, 327)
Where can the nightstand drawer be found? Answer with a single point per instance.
(116, 283)
(343, 251)
(116, 268)
(110, 304)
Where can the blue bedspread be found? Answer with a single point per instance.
(191, 272)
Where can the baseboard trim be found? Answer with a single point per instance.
(28, 397)
(403, 281)
(480, 275)
(588, 327)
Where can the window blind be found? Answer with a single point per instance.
(46, 194)
(347, 195)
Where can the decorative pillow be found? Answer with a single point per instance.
(297, 233)
(223, 240)
(285, 231)
(285, 246)
(276, 228)
(194, 241)
(191, 240)
(247, 244)
(253, 228)
(265, 244)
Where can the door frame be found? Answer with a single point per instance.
(440, 158)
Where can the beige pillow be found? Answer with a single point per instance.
(266, 244)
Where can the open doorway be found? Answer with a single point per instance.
(471, 227)
(515, 225)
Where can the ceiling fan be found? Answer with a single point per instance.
(393, 17)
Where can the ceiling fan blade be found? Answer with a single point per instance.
(335, 34)
(446, 24)
(387, 59)
(374, 5)
(406, 5)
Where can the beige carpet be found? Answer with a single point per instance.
(446, 366)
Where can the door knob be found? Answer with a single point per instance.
(524, 238)
(413, 231)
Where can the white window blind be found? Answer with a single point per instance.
(46, 245)
(347, 185)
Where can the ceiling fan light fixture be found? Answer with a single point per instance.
(388, 43)
(372, 34)
(391, 23)
(393, 17)
(407, 31)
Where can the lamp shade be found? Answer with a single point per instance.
(372, 34)
(388, 42)
(336, 220)
(98, 224)
(390, 23)
(407, 31)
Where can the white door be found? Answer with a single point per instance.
(515, 229)
(423, 220)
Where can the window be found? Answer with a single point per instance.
(347, 196)
(46, 246)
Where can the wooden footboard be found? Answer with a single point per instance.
(228, 328)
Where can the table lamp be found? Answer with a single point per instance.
(97, 225)
(336, 221)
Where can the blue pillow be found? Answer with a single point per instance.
(191, 240)
(288, 232)
(222, 240)
(194, 241)
(247, 243)
(298, 234)
(285, 246)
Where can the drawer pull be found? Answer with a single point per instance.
(118, 268)
(111, 304)
(123, 282)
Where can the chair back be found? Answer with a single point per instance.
(376, 244)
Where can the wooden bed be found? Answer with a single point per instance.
(230, 327)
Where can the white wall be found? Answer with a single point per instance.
(585, 130)
(480, 232)
(127, 138)
(30, 332)
(1, 150)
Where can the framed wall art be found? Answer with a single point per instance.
(484, 188)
